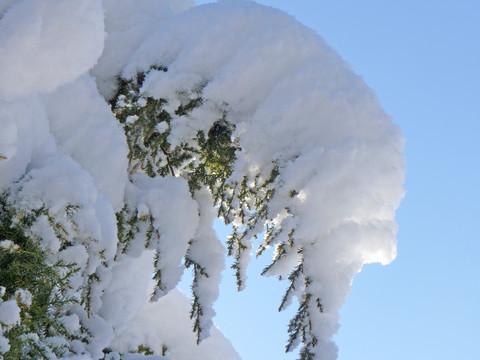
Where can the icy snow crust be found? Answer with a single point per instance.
(293, 101)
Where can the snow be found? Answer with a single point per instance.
(24, 297)
(144, 357)
(9, 246)
(167, 322)
(88, 120)
(165, 199)
(128, 289)
(295, 104)
(24, 138)
(48, 43)
(4, 344)
(71, 322)
(208, 252)
(95, 217)
(9, 313)
(128, 23)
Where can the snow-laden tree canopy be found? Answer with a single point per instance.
(128, 126)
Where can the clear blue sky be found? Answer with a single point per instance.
(423, 60)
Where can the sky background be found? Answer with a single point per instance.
(422, 59)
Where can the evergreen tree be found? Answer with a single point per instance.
(206, 161)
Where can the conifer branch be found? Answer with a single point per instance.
(196, 312)
(293, 277)
(167, 157)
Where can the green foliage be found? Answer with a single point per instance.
(147, 126)
(300, 326)
(145, 350)
(26, 267)
(197, 312)
(216, 155)
(306, 354)
(132, 225)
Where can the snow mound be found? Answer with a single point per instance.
(47, 43)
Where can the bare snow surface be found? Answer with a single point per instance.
(292, 99)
